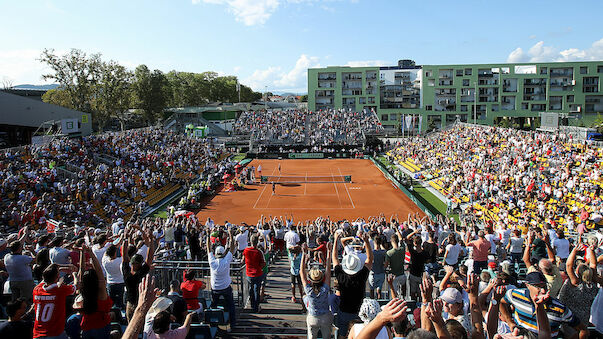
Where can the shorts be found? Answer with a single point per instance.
(376, 280)
(296, 279)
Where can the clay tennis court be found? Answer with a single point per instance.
(369, 194)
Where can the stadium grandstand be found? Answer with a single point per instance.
(166, 232)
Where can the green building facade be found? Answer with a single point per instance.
(434, 96)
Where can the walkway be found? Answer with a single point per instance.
(278, 317)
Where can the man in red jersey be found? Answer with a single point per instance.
(50, 299)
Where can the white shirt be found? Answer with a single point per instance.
(99, 252)
(562, 247)
(516, 245)
(113, 270)
(453, 254)
(291, 238)
(220, 271)
(242, 240)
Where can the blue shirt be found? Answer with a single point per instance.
(17, 266)
(525, 312)
(295, 262)
(317, 303)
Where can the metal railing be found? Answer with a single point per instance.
(168, 270)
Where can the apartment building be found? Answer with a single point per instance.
(438, 95)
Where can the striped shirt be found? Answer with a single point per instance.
(524, 314)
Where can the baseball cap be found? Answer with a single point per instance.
(452, 296)
(78, 304)
(351, 264)
(535, 278)
(492, 264)
(220, 251)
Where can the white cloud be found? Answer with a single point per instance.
(277, 79)
(540, 52)
(22, 66)
(517, 56)
(367, 63)
(249, 12)
(257, 12)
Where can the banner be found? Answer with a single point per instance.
(306, 155)
(408, 120)
(420, 122)
(51, 225)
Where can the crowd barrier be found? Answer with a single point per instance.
(168, 270)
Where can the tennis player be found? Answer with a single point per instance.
(279, 168)
(273, 188)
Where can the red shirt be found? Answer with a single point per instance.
(323, 249)
(190, 293)
(254, 262)
(50, 303)
(98, 319)
(481, 249)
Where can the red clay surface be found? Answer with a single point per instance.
(369, 194)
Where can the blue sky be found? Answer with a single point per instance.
(272, 42)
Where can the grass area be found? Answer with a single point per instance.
(428, 199)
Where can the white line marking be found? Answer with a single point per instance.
(304, 208)
(346, 189)
(256, 202)
(306, 183)
(336, 191)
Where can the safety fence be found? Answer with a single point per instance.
(167, 270)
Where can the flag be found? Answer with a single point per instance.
(51, 225)
(402, 124)
(408, 120)
(420, 123)
(238, 86)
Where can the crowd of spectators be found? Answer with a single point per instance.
(316, 129)
(98, 179)
(509, 177)
(425, 277)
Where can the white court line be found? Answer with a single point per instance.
(336, 191)
(305, 208)
(346, 188)
(256, 202)
(306, 183)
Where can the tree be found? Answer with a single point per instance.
(304, 98)
(113, 93)
(151, 92)
(58, 97)
(7, 83)
(76, 73)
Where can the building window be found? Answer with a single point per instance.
(428, 74)
(525, 105)
(371, 100)
(428, 108)
(465, 82)
(570, 98)
(583, 70)
(543, 70)
(383, 117)
(468, 71)
(459, 72)
(393, 117)
(362, 101)
(463, 108)
(600, 69)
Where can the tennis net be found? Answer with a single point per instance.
(281, 179)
